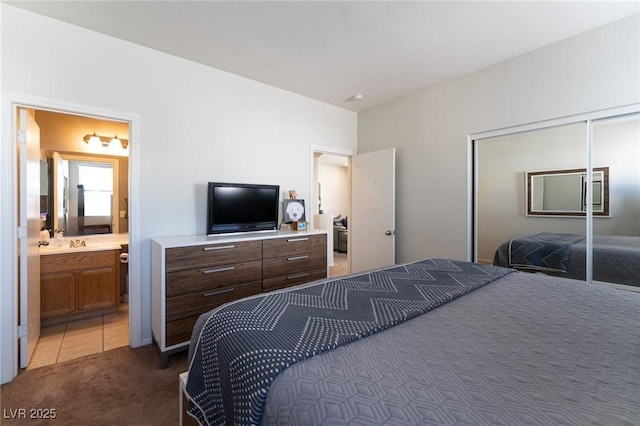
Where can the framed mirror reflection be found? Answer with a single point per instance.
(564, 192)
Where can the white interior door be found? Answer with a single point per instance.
(372, 223)
(29, 235)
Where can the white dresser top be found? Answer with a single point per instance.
(192, 240)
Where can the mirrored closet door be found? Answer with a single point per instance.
(561, 198)
(616, 239)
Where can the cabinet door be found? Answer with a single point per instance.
(97, 288)
(57, 294)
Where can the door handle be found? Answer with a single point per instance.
(390, 233)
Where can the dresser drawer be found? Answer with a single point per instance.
(196, 303)
(293, 279)
(179, 331)
(179, 258)
(212, 277)
(293, 264)
(293, 245)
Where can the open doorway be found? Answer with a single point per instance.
(84, 213)
(370, 221)
(332, 186)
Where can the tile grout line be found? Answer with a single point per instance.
(66, 330)
(61, 341)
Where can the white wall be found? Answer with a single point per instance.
(197, 124)
(430, 128)
(335, 189)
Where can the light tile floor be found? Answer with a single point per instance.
(74, 339)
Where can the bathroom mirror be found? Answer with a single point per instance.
(68, 160)
(83, 191)
(564, 192)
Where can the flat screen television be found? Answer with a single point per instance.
(240, 207)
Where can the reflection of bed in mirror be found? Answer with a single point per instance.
(616, 259)
(99, 228)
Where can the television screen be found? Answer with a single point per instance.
(236, 207)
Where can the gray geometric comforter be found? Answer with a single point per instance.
(526, 349)
(242, 347)
(544, 251)
(616, 258)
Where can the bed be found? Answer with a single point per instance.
(479, 344)
(616, 259)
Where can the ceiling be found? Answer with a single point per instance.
(332, 50)
(333, 160)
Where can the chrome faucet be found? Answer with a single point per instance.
(77, 243)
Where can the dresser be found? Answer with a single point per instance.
(194, 274)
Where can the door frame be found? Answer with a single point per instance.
(9, 283)
(313, 174)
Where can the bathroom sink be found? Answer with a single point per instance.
(67, 248)
(91, 243)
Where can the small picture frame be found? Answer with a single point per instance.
(294, 211)
(285, 226)
(299, 226)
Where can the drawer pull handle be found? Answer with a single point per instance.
(293, 240)
(217, 292)
(219, 247)
(293, 277)
(306, 256)
(223, 269)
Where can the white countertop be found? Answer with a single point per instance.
(92, 243)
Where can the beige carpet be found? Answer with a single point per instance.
(120, 387)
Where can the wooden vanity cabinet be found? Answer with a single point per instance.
(97, 288)
(193, 274)
(77, 283)
(57, 294)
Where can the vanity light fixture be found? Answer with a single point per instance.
(105, 141)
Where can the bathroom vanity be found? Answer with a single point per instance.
(78, 282)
